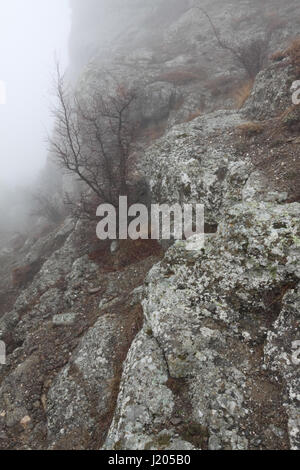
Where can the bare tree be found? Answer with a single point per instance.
(93, 139)
(251, 55)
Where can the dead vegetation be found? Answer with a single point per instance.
(180, 77)
(250, 129)
(193, 115)
(129, 252)
(290, 118)
(151, 133)
(93, 140)
(273, 147)
(292, 53)
(242, 93)
(21, 276)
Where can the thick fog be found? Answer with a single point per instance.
(32, 32)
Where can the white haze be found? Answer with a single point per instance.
(32, 33)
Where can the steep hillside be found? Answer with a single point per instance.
(147, 348)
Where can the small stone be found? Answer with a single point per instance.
(65, 319)
(44, 401)
(114, 247)
(176, 421)
(25, 421)
(214, 443)
(94, 290)
(105, 303)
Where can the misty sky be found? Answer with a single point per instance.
(32, 32)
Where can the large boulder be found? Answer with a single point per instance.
(208, 315)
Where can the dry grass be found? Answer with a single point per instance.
(279, 161)
(130, 252)
(194, 115)
(250, 129)
(181, 77)
(290, 118)
(278, 56)
(242, 93)
(293, 53)
(24, 274)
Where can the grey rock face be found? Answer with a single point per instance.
(83, 389)
(271, 93)
(190, 163)
(157, 101)
(208, 313)
(198, 163)
(144, 400)
(282, 356)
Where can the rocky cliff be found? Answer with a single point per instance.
(179, 349)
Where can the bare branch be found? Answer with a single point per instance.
(93, 138)
(250, 55)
